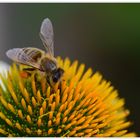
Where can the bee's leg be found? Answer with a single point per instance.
(50, 83)
(28, 69)
(26, 72)
(60, 86)
(48, 80)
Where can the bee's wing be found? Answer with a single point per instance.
(46, 35)
(27, 56)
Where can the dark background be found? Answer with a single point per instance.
(105, 37)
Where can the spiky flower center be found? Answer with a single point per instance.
(82, 104)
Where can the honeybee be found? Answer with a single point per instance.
(44, 61)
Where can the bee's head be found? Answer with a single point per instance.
(57, 75)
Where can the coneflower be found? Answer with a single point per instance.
(82, 105)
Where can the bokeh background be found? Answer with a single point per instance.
(105, 37)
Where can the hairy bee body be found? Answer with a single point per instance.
(39, 59)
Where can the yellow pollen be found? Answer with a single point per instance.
(21, 86)
(57, 97)
(72, 133)
(68, 126)
(50, 131)
(2, 116)
(57, 121)
(51, 98)
(41, 111)
(18, 126)
(48, 92)
(11, 108)
(20, 114)
(39, 96)
(3, 102)
(12, 92)
(3, 132)
(39, 132)
(30, 110)
(43, 84)
(109, 133)
(49, 123)
(120, 133)
(23, 103)
(34, 102)
(39, 122)
(79, 134)
(59, 131)
(71, 117)
(129, 135)
(81, 120)
(29, 119)
(53, 106)
(44, 105)
(66, 64)
(65, 95)
(28, 130)
(56, 86)
(26, 95)
(63, 83)
(8, 122)
(101, 125)
(33, 85)
(64, 120)
(70, 95)
(88, 130)
(61, 108)
(51, 115)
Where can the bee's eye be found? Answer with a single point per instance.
(57, 74)
(55, 79)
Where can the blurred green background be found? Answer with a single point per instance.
(105, 37)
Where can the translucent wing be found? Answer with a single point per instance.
(27, 56)
(46, 35)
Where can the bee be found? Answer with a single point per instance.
(43, 61)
